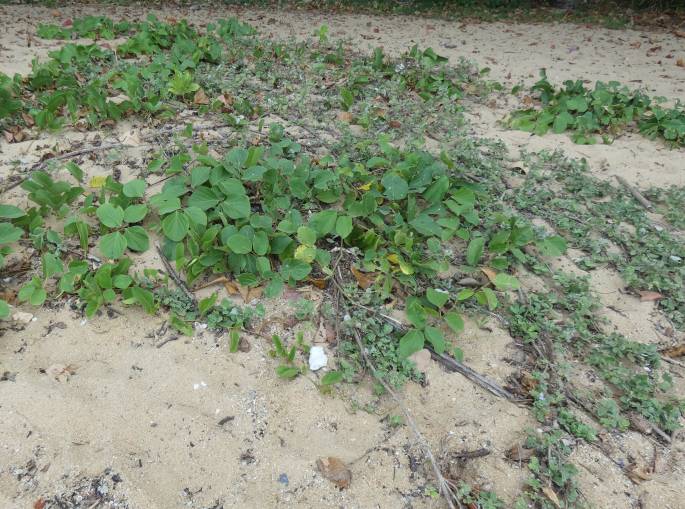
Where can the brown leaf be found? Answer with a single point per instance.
(345, 116)
(549, 493)
(232, 287)
(335, 470)
(636, 474)
(39, 504)
(680, 62)
(319, 282)
(364, 279)
(28, 119)
(395, 124)
(491, 274)
(647, 295)
(254, 293)
(519, 453)
(674, 351)
(679, 33)
(226, 100)
(9, 137)
(200, 97)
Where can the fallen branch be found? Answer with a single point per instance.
(634, 192)
(443, 484)
(174, 275)
(446, 360)
(478, 379)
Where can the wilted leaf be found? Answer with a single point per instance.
(345, 116)
(200, 97)
(364, 279)
(335, 470)
(647, 295)
(552, 496)
(491, 274)
(674, 351)
(519, 453)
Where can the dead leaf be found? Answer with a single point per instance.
(335, 470)
(319, 282)
(364, 279)
(636, 44)
(469, 281)
(28, 119)
(39, 504)
(679, 33)
(226, 100)
(636, 474)
(395, 124)
(200, 97)
(680, 62)
(491, 274)
(60, 372)
(519, 453)
(345, 116)
(254, 293)
(674, 351)
(647, 295)
(549, 493)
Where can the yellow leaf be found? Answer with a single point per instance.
(305, 253)
(394, 259)
(364, 187)
(97, 182)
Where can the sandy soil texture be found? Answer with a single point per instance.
(98, 405)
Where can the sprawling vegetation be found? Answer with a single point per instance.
(322, 175)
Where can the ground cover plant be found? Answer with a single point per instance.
(324, 177)
(608, 110)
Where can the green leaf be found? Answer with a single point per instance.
(306, 236)
(437, 297)
(110, 215)
(206, 304)
(426, 225)
(122, 281)
(112, 245)
(38, 297)
(145, 298)
(410, 343)
(199, 175)
(323, 222)
(504, 281)
(135, 213)
(260, 243)
(137, 238)
(51, 265)
(239, 243)
(331, 378)
(196, 215)
(203, 198)
(396, 188)
(553, 246)
(11, 212)
(455, 321)
(287, 372)
(234, 341)
(486, 297)
(4, 309)
(436, 338)
(295, 270)
(475, 251)
(343, 226)
(415, 311)
(134, 188)
(175, 226)
(75, 171)
(9, 233)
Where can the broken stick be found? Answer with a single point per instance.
(634, 192)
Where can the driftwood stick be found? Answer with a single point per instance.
(634, 192)
(174, 275)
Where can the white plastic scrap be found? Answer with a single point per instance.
(317, 358)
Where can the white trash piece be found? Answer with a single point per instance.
(317, 358)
